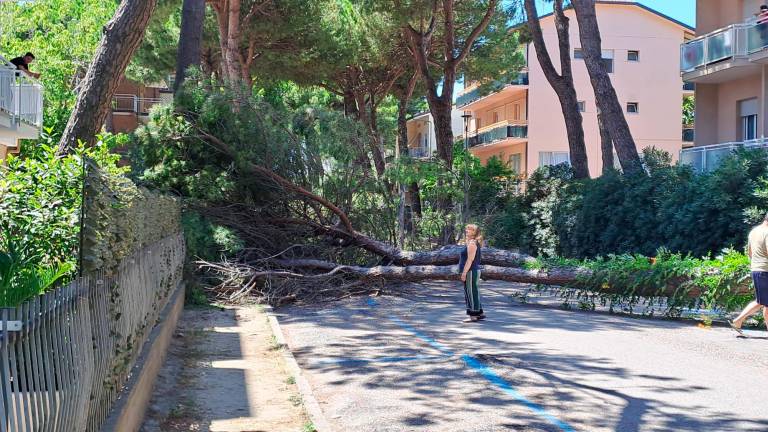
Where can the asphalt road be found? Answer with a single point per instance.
(409, 363)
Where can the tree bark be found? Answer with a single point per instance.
(606, 146)
(190, 39)
(605, 94)
(122, 36)
(562, 83)
(564, 276)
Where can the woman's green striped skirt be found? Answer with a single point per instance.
(472, 293)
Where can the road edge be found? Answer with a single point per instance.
(315, 413)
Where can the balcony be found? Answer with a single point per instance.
(133, 104)
(499, 131)
(708, 158)
(475, 94)
(736, 49)
(21, 104)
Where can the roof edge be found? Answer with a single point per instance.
(640, 5)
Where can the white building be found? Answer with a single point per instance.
(21, 107)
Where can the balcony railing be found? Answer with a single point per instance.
(133, 103)
(419, 152)
(498, 133)
(708, 158)
(21, 96)
(736, 40)
(473, 95)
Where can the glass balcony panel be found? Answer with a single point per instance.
(720, 45)
(692, 55)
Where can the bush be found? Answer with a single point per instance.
(669, 206)
(40, 201)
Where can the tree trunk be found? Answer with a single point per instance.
(565, 276)
(403, 221)
(415, 193)
(562, 83)
(122, 36)
(605, 94)
(441, 102)
(606, 146)
(190, 39)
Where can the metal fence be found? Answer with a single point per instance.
(66, 355)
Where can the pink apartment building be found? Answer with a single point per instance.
(728, 62)
(522, 122)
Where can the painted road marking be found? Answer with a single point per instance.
(486, 372)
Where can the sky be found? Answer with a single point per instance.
(681, 10)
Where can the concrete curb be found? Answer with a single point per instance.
(311, 405)
(127, 414)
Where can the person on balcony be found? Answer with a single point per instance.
(22, 63)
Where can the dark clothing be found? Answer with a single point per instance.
(471, 290)
(472, 293)
(20, 63)
(463, 259)
(760, 280)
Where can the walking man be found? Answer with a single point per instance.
(758, 256)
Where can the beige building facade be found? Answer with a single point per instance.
(728, 62)
(522, 122)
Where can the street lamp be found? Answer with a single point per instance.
(467, 115)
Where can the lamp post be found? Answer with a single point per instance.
(467, 115)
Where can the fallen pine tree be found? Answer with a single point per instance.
(301, 242)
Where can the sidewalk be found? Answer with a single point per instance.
(225, 372)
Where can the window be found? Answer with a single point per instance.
(748, 113)
(608, 60)
(582, 106)
(749, 127)
(578, 54)
(553, 158)
(515, 162)
(633, 56)
(633, 107)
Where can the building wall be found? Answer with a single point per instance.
(511, 110)
(503, 151)
(717, 105)
(715, 14)
(653, 82)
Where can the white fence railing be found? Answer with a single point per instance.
(133, 103)
(708, 158)
(66, 355)
(21, 96)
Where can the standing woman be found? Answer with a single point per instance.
(469, 265)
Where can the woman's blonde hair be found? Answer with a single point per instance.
(478, 234)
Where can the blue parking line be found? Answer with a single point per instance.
(486, 372)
